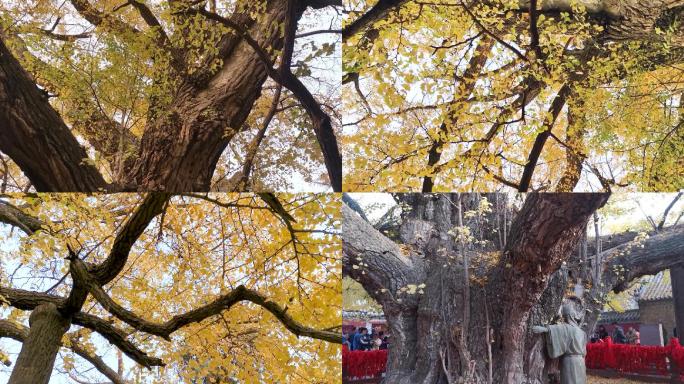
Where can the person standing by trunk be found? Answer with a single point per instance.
(567, 341)
(385, 341)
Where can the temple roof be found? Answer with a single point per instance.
(629, 316)
(659, 287)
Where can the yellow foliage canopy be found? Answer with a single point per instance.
(463, 93)
(200, 247)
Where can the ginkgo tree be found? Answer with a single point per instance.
(462, 278)
(174, 95)
(191, 288)
(529, 95)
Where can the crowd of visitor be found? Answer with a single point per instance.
(619, 335)
(360, 340)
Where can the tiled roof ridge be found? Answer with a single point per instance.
(658, 288)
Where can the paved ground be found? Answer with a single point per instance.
(603, 380)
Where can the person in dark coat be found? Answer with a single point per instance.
(602, 333)
(385, 340)
(352, 338)
(359, 336)
(619, 334)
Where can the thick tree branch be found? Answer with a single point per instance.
(9, 214)
(534, 31)
(375, 261)
(351, 203)
(628, 258)
(281, 314)
(64, 37)
(322, 124)
(98, 18)
(545, 231)
(116, 337)
(555, 109)
(222, 303)
(318, 4)
(77, 295)
(597, 8)
(379, 11)
(28, 301)
(151, 206)
(276, 206)
(26, 117)
(111, 139)
(635, 20)
(574, 147)
(629, 261)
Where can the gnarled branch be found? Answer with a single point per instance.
(373, 260)
(220, 304)
(321, 121)
(116, 337)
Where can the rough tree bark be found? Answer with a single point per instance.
(179, 150)
(511, 287)
(27, 117)
(20, 333)
(39, 350)
(623, 19)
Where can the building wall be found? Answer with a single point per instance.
(658, 312)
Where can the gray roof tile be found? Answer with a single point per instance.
(608, 317)
(659, 287)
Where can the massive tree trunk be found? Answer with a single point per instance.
(180, 149)
(479, 332)
(39, 350)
